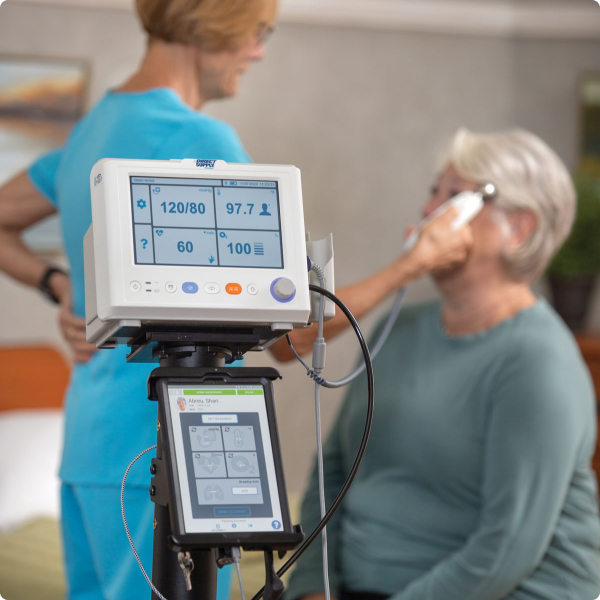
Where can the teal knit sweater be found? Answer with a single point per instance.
(476, 484)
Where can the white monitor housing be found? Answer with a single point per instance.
(194, 242)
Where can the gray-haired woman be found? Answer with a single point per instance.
(476, 484)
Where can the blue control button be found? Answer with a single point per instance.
(189, 287)
(276, 525)
(283, 289)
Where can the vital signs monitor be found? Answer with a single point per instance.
(194, 241)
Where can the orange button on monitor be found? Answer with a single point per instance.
(233, 288)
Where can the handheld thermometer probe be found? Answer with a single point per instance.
(468, 203)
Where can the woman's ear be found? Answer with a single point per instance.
(522, 225)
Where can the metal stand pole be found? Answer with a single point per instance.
(167, 575)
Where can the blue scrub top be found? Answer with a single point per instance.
(109, 419)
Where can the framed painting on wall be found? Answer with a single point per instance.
(40, 101)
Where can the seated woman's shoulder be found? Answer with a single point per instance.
(541, 331)
(542, 348)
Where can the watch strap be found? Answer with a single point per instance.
(44, 285)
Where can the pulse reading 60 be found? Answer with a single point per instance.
(185, 246)
(180, 207)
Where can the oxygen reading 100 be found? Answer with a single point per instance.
(239, 249)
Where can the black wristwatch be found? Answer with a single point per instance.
(44, 285)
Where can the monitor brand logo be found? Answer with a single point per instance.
(98, 179)
(205, 163)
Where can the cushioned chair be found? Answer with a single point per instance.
(32, 377)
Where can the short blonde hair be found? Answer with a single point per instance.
(212, 25)
(529, 176)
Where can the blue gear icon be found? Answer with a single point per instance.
(141, 203)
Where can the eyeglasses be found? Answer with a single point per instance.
(263, 33)
(487, 190)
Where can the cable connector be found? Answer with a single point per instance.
(318, 355)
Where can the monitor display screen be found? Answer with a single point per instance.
(206, 222)
(224, 458)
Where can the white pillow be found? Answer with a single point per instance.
(30, 449)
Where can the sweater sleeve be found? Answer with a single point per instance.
(307, 577)
(536, 420)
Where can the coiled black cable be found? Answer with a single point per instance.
(363, 443)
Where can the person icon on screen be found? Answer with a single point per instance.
(181, 403)
(265, 211)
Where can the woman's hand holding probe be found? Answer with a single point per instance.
(439, 246)
(72, 327)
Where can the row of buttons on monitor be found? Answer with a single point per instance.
(190, 287)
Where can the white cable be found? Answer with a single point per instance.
(322, 490)
(236, 554)
(315, 373)
(137, 557)
(317, 369)
(239, 574)
(381, 340)
(321, 277)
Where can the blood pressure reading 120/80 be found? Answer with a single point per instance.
(206, 222)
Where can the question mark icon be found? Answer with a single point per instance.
(144, 243)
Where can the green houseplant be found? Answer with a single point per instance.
(572, 274)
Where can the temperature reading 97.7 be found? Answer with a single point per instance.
(237, 206)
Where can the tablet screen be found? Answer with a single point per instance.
(224, 458)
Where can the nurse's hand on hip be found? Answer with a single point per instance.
(21, 206)
(72, 327)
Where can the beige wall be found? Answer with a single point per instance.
(361, 112)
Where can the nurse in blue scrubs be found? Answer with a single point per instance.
(197, 51)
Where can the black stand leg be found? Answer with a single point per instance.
(167, 575)
(274, 587)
